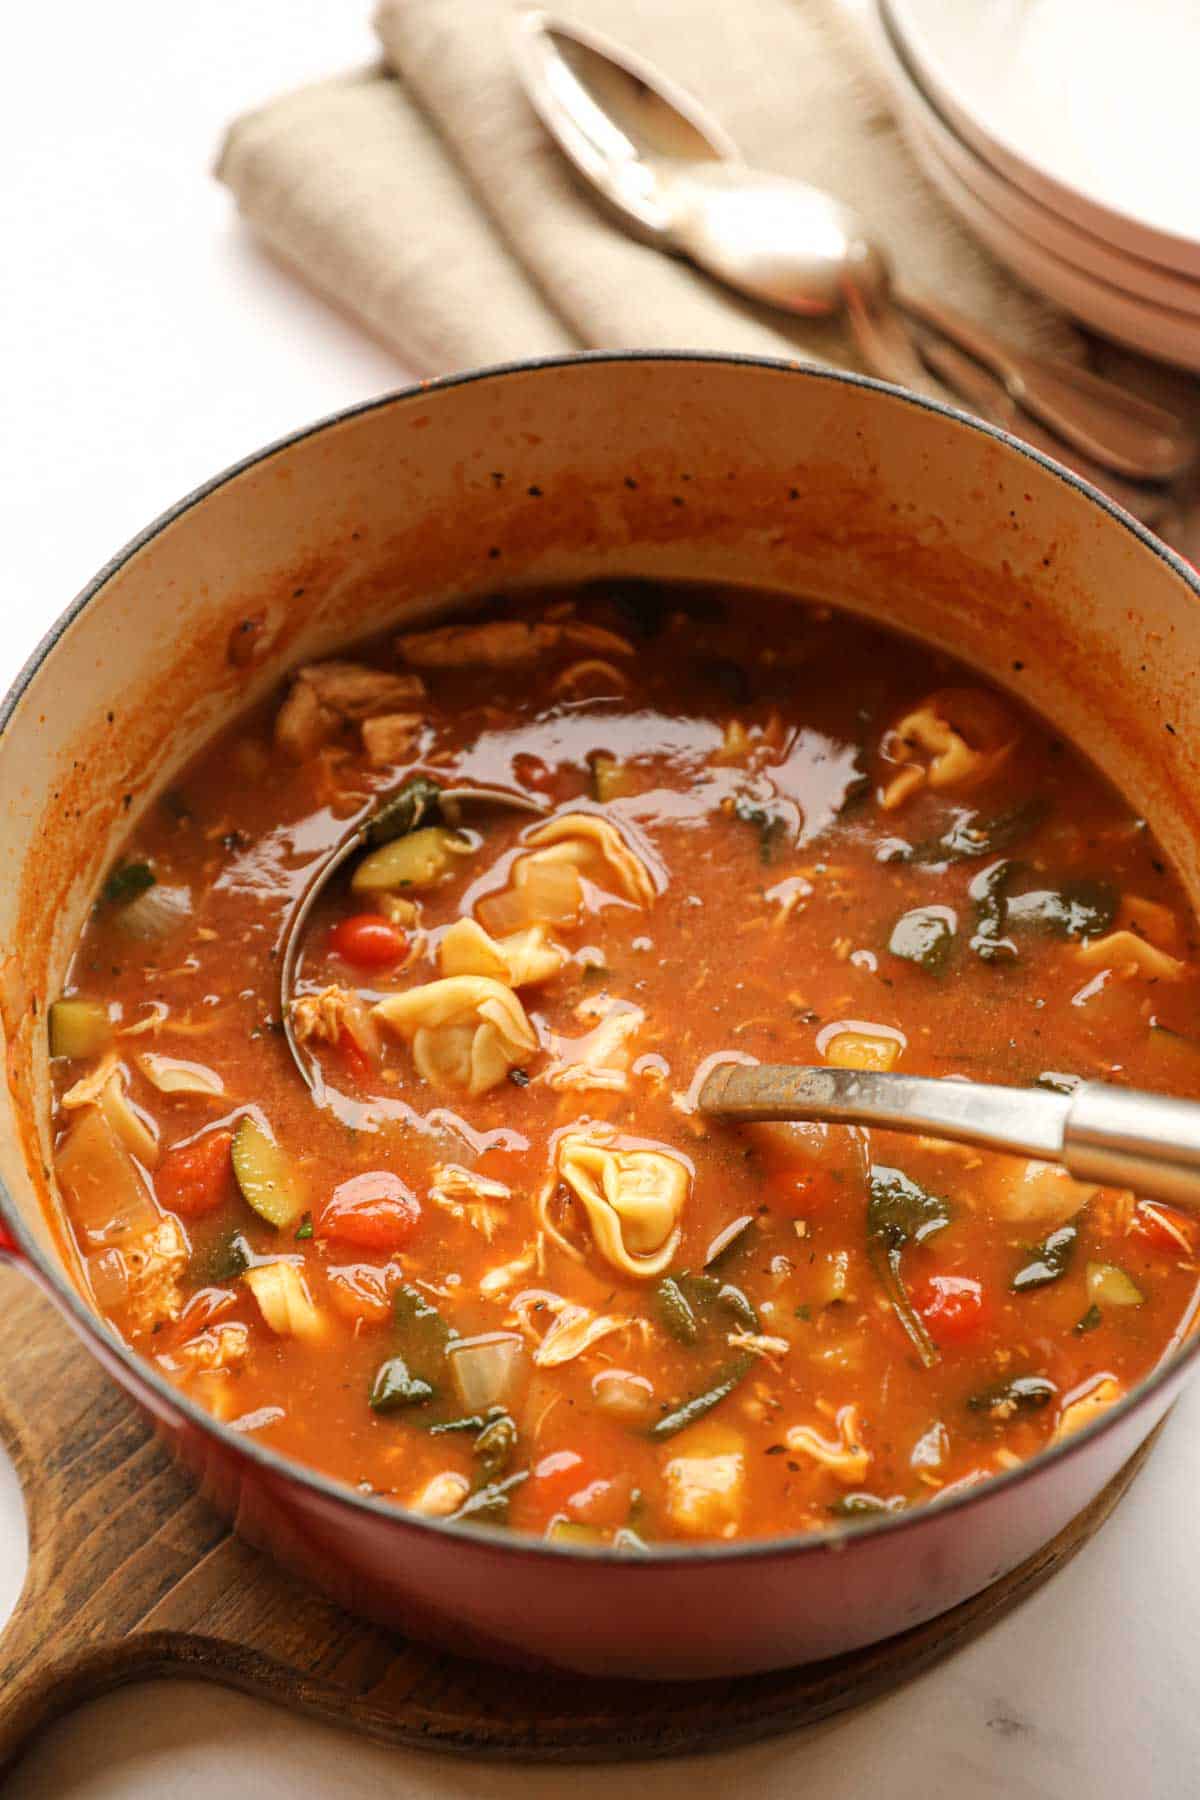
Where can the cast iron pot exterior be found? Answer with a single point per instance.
(673, 466)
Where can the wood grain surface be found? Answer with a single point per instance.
(131, 1576)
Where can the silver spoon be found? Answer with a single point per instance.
(1115, 1136)
(675, 178)
(417, 801)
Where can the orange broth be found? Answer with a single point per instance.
(796, 790)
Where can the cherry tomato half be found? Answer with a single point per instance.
(1163, 1227)
(194, 1178)
(799, 1193)
(373, 1212)
(953, 1307)
(369, 941)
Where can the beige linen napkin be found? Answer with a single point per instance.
(425, 197)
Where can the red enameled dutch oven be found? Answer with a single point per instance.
(676, 466)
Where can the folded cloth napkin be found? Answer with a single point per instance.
(426, 199)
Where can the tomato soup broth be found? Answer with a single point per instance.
(499, 1268)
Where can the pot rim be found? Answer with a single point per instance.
(140, 1372)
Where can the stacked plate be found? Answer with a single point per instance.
(1066, 135)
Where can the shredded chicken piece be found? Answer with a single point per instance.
(599, 1059)
(390, 737)
(464, 1194)
(497, 1281)
(573, 1331)
(216, 1348)
(326, 696)
(705, 1480)
(845, 1457)
(440, 1496)
(758, 1344)
(154, 1265)
(322, 1017)
(505, 643)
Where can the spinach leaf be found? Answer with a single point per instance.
(421, 1333)
(1049, 1261)
(394, 1386)
(493, 1448)
(900, 1212)
(489, 1505)
(1091, 1318)
(924, 936)
(1078, 909)
(126, 882)
(1019, 1393)
(224, 1259)
(991, 942)
(686, 1304)
(688, 1411)
(404, 811)
(970, 836)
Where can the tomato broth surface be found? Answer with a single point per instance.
(500, 1268)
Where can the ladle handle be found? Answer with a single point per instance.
(1115, 1136)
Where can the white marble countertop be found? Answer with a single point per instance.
(147, 343)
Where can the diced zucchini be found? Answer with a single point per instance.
(416, 861)
(1108, 1285)
(78, 1027)
(570, 1531)
(265, 1175)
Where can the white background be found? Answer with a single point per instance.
(146, 343)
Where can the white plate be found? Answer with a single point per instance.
(1174, 337)
(1088, 105)
(1145, 280)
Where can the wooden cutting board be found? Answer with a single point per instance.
(131, 1576)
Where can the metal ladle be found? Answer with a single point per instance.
(415, 803)
(1115, 1136)
(676, 180)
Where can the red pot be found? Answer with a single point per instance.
(680, 466)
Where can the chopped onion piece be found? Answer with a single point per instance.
(485, 1369)
(156, 913)
(174, 1075)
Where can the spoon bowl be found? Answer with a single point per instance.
(652, 154)
(410, 806)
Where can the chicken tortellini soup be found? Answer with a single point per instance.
(499, 1269)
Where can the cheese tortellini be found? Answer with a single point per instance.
(546, 886)
(956, 738)
(466, 1031)
(634, 1200)
(522, 959)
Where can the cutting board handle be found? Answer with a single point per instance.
(131, 1576)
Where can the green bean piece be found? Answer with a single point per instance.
(1049, 1260)
(675, 1311)
(687, 1413)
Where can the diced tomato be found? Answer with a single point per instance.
(563, 1485)
(369, 941)
(353, 1054)
(1163, 1227)
(799, 1193)
(373, 1212)
(194, 1178)
(953, 1307)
